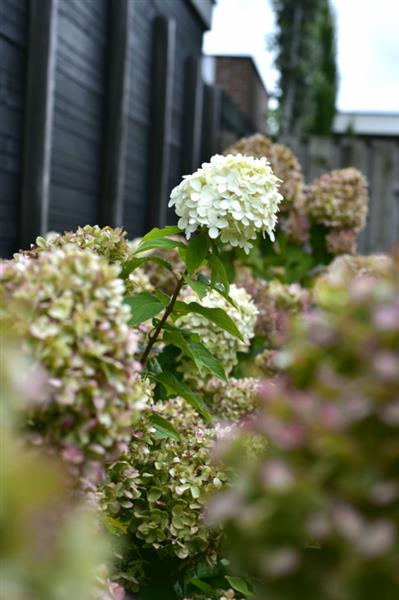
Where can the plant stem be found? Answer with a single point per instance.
(153, 338)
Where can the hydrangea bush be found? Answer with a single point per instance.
(157, 491)
(66, 308)
(317, 513)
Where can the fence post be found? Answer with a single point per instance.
(38, 120)
(111, 212)
(211, 121)
(162, 103)
(193, 102)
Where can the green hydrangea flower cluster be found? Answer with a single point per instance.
(109, 242)
(220, 343)
(233, 400)
(317, 513)
(66, 307)
(158, 490)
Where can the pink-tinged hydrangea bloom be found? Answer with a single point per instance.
(66, 308)
(233, 197)
(338, 199)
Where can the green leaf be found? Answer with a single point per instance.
(143, 306)
(178, 388)
(203, 357)
(158, 243)
(164, 428)
(239, 585)
(218, 272)
(198, 286)
(132, 264)
(114, 526)
(196, 251)
(157, 233)
(216, 287)
(193, 348)
(201, 585)
(216, 315)
(162, 297)
(176, 338)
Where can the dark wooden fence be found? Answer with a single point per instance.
(102, 109)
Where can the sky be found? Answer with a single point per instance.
(367, 44)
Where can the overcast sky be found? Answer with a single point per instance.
(368, 47)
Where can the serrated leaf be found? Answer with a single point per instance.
(197, 250)
(239, 585)
(204, 358)
(143, 306)
(157, 233)
(164, 428)
(179, 388)
(218, 272)
(216, 315)
(158, 243)
(134, 263)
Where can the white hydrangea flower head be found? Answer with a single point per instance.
(235, 197)
(219, 342)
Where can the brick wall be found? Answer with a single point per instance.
(239, 78)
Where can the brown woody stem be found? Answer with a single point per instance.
(153, 338)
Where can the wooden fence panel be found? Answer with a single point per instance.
(378, 160)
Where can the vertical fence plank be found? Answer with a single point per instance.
(381, 214)
(211, 122)
(38, 120)
(162, 101)
(193, 103)
(116, 114)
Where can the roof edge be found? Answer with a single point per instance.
(204, 9)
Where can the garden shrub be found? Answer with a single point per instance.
(157, 491)
(316, 514)
(66, 308)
